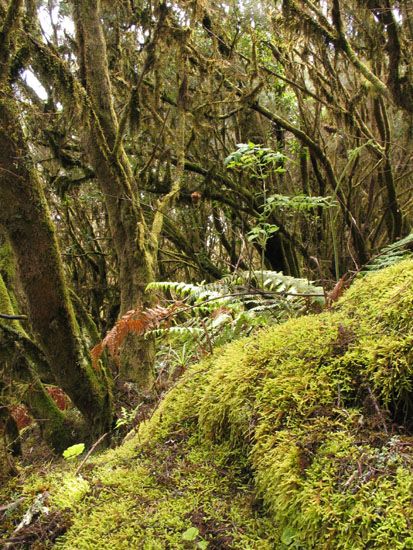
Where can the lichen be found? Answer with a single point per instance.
(297, 437)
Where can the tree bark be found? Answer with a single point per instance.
(103, 142)
(29, 228)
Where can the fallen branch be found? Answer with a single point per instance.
(11, 506)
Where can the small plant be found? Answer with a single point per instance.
(259, 163)
(217, 313)
(74, 451)
(127, 416)
(191, 535)
(297, 203)
(195, 319)
(261, 233)
(135, 321)
(256, 160)
(390, 255)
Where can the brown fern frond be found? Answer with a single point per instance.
(135, 321)
(95, 353)
(338, 290)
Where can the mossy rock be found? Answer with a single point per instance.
(297, 437)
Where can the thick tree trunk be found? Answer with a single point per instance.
(17, 364)
(26, 218)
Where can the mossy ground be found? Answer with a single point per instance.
(298, 437)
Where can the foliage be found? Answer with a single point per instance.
(135, 321)
(191, 535)
(73, 451)
(261, 233)
(391, 254)
(202, 317)
(127, 416)
(217, 313)
(297, 203)
(255, 159)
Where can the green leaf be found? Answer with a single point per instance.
(74, 451)
(202, 544)
(190, 534)
(288, 536)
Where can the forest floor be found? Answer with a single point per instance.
(300, 436)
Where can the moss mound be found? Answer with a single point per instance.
(299, 437)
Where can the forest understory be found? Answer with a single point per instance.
(206, 247)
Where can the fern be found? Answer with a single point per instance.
(179, 288)
(179, 331)
(192, 292)
(287, 288)
(204, 316)
(135, 321)
(230, 308)
(390, 255)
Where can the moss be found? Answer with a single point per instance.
(382, 302)
(8, 269)
(297, 437)
(169, 487)
(71, 490)
(6, 305)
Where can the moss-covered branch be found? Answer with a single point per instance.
(8, 37)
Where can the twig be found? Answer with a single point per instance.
(211, 347)
(12, 317)
(377, 409)
(11, 505)
(90, 451)
(37, 508)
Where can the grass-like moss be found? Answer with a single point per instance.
(298, 437)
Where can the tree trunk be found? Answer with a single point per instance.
(26, 218)
(103, 142)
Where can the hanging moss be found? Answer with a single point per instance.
(298, 437)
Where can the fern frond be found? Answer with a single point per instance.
(179, 288)
(390, 255)
(193, 293)
(174, 331)
(278, 282)
(135, 321)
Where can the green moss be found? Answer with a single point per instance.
(295, 438)
(6, 305)
(169, 487)
(71, 490)
(382, 302)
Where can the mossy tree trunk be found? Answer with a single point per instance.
(26, 219)
(135, 238)
(20, 361)
(102, 134)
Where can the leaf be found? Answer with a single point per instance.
(220, 320)
(190, 534)
(74, 451)
(288, 535)
(202, 544)
(390, 255)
